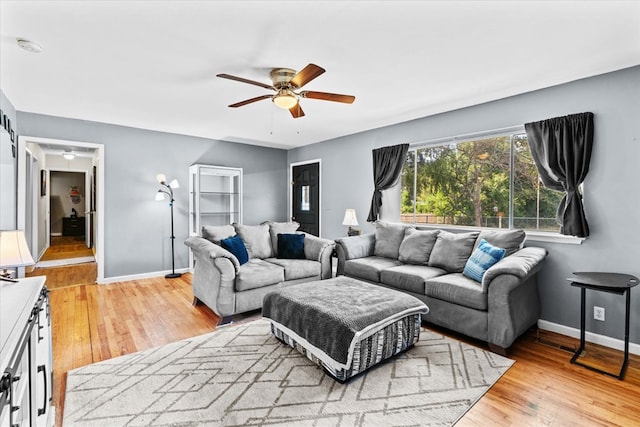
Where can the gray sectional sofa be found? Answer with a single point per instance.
(431, 264)
(228, 287)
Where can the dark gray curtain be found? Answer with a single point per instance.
(387, 167)
(561, 148)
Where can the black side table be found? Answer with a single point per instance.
(605, 282)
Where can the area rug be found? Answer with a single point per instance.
(65, 261)
(242, 376)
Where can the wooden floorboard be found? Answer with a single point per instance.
(97, 322)
(64, 247)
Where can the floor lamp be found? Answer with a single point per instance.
(168, 190)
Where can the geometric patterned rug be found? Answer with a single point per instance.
(241, 375)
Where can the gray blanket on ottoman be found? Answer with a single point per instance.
(331, 315)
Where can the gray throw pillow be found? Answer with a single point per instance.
(452, 250)
(511, 240)
(256, 239)
(417, 246)
(217, 233)
(388, 239)
(276, 228)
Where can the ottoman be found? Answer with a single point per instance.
(344, 325)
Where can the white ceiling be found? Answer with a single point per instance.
(152, 64)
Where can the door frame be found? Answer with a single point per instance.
(100, 196)
(290, 192)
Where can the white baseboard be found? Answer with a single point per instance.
(115, 279)
(589, 336)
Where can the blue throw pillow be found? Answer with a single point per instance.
(291, 246)
(235, 245)
(482, 259)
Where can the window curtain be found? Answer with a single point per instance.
(387, 167)
(561, 149)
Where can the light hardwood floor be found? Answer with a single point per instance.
(97, 322)
(63, 247)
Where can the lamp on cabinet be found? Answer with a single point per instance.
(167, 190)
(14, 253)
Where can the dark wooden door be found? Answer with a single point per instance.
(306, 197)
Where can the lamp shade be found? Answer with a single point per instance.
(174, 184)
(285, 99)
(14, 251)
(161, 178)
(350, 217)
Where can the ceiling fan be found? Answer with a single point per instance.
(285, 82)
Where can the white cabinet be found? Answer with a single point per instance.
(26, 355)
(215, 196)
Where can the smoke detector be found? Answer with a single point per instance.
(29, 45)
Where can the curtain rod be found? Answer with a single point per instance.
(466, 136)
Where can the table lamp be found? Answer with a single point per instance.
(350, 219)
(14, 253)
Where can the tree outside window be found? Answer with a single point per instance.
(490, 182)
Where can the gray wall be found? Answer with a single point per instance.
(611, 197)
(136, 226)
(8, 168)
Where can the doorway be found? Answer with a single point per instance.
(53, 204)
(305, 196)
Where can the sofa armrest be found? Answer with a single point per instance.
(214, 275)
(319, 249)
(353, 247)
(357, 246)
(521, 264)
(203, 247)
(514, 303)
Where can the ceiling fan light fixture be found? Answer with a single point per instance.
(285, 99)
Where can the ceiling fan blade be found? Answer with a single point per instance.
(243, 80)
(296, 111)
(305, 75)
(249, 101)
(325, 96)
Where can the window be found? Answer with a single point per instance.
(490, 181)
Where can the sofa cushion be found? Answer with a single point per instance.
(451, 251)
(482, 258)
(276, 228)
(258, 273)
(291, 246)
(216, 233)
(511, 240)
(297, 268)
(409, 277)
(457, 289)
(417, 246)
(388, 239)
(235, 245)
(256, 239)
(368, 268)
